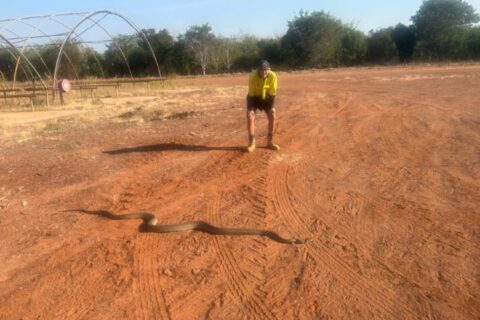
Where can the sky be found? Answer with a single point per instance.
(266, 18)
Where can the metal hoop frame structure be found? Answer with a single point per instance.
(9, 40)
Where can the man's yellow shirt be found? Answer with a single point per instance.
(259, 87)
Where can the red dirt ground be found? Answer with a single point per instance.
(380, 167)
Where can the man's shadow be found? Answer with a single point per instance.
(172, 146)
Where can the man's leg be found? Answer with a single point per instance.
(251, 130)
(271, 114)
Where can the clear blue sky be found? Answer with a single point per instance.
(262, 18)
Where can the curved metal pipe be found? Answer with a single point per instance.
(134, 26)
(15, 72)
(21, 20)
(37, 29)
(87, 18)
(12, 21)
(4, 80)
(118, 48)
(77, 36)
(91, 26)
(23, 49)
(106, 31)
(44, 16)
(71, 31)
(17, 65)
(25, 59)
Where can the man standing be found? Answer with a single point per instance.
(262, 89)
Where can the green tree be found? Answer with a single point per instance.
(248, 53)
(35, 55)
(228, 50)
(138, 60)
(162, 45)
(440, 26)
(472, 42)
(7, 63)
(215, 56)
(199, 40)
(405, 40)
(92, 64)
(271, 50)
(115, 57)
(70, 60)
(313, 40)
(183, 60)
(381, 47)
(353, 47)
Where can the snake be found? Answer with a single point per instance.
(150, 224)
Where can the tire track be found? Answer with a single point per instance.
(152, 304)
(259, 247)
(263, 250)
(435, 235)
(182, 308)
(384, 301)
(343, 106)
(79, 299)
(394, 121)
(80, 310)
(69, 281)
(238, 282)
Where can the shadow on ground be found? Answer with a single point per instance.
(172, 146)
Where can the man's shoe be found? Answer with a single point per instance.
(273, 146)
(251, 145)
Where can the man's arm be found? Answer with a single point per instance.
(272, 91)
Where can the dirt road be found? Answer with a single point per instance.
(379, 166)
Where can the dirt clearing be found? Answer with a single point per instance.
(379, 167)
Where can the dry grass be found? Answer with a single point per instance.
(134, 105)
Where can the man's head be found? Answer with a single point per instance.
(263, 69)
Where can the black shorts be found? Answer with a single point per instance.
(257, 103)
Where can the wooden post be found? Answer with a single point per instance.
(33, 94)
(33, 83)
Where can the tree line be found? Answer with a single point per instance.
(440, 30)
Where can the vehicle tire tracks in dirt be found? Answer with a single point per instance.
(382, 300)
(151, 302)
(240, 281)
